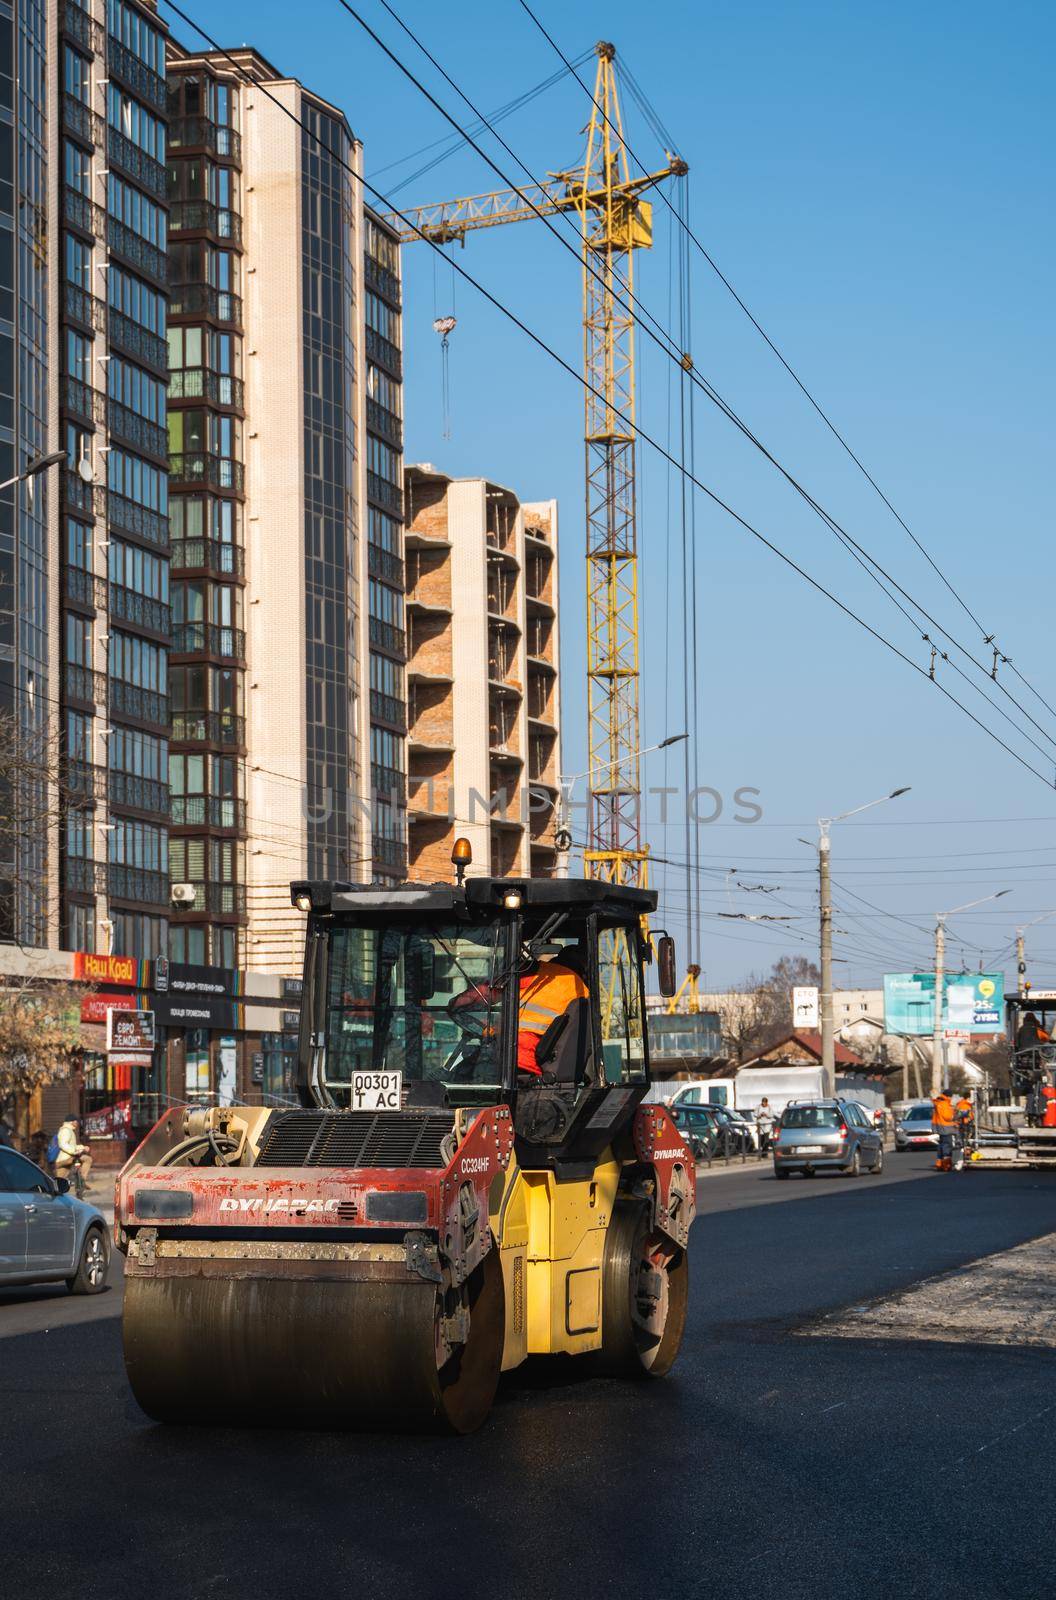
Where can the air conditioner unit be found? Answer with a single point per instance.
(183, 894)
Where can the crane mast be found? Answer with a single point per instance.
(614, 222)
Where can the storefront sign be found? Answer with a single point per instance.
(292, 988)
(186, 980)
(109, 969)
(129, 1030)
(291, 1021)
(200, 1011)
(110, 1122)
(161, 974)
(257, 1069)
(94, 1007)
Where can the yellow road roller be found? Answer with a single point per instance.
(471, 1174)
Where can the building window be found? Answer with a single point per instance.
(384, 461)
(382, 318)
(386, 604)
(78, 357)
(134, 568)
(78, 262)
(76, 75)
(138, 124)
(138, 934)
(138, 844)
(136, 300)
(187, 944)
(137, 480)
(143, 755)
(130, 386)
(78, 640)
(80, 928)
(130, 28)
(137, 661)
(79, 544)
(133, 208)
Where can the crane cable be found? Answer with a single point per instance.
(636, 310)
(585, 384)
(988, 637)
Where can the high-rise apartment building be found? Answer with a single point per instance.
(286, 505)
(108, 615)
(484, 710)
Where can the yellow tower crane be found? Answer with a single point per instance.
(614, 222)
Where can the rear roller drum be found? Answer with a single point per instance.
(645, 1289)
(289, 1350)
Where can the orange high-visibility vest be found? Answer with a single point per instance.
(545, 995)
(942, 1112)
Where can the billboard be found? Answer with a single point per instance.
(971, 1002)
(129, 1030)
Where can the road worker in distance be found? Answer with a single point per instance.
(944, 1123)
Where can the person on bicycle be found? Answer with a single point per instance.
(71, 1152)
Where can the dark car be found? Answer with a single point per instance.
(700, 1127)
(827, 1136)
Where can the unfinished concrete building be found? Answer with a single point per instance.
(484, 731)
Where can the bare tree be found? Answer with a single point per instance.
(759, 1012)
(41, 790)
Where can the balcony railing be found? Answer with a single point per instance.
(202, 300)
(389, 852)
(138, 341)
(201, 216)
(207, 811)
(385, 493)
(128, 605)
(83, 213)
(146, 705)
(200, 133)
(140, 884)
(89, 499)
(384, 352)
(383, 564)
(385, 423)
(84, 876)
(140, 252)
(121, 152)
(218, 899)
(82, 120)
(199, 467)
(83, 781)
(82, 683)
(83, 307)
(388, 782)
(387, 637)
(82, 400)
(193, 638)
(381, 279)
(139, 794)
(79, 26)
(221, 728)
(201, 383)
(139, 432)
(387, 708)
(128, 517)
(209, 555)
(84, 588)
(124, 65)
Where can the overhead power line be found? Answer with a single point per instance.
(675, 352)
(988, 637)
(584, 383)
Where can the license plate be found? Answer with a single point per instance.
(808, 1149)
(376, 1091)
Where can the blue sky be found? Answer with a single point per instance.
(876, 183)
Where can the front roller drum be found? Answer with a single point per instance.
(267, 1350)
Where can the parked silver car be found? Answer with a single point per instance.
(914, 1129)
(46, 1236)
(827, 1136)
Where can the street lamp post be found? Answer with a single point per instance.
(940, 978)
(563, 839)
(828, 1037)
(32, 468)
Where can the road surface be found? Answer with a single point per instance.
(785, 1456)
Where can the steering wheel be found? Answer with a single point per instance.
(469, 1011)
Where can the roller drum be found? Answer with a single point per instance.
(268, 1349)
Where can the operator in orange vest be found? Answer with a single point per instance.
(944, 1122)
(546, 992)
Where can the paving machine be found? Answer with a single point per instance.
(427, 1216)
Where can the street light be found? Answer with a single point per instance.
(828, 1039)
(563, 839)
(38, 464)
(940, 978)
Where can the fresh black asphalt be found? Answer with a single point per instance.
(766, 1464)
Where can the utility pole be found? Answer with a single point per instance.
(828, 1038)
(936, 1033)
(828, 1042)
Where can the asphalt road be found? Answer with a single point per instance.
(778, 1464)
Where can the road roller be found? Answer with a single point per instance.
(448, 1196)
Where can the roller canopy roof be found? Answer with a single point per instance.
(478, 896)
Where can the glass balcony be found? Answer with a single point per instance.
(383, 564)
(201, 216)
(384, 352)
(140, 884)
(199, 467)
(137, 431)
(128, 605)
(209, 555)
(208, 638)
(84, 307)
(146, 705)
(83, 213)
(128, 517)
(80, 27)
(202, 300)
(139, 794)
(199, 133)
(82, 120)
(387, 708)
(83, 684)
(201, 383)
(144, 256)
(121, 63)
(207, 811)
(221, 728)
(385, 493)
(387, 637)
(84, 587)
(122, 152)
(138, 341)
